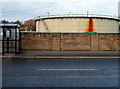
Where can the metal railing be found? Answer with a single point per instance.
(77, 15)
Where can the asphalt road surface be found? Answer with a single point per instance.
(60, 73)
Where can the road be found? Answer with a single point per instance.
(60, 73)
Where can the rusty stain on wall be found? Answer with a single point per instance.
(90, 26)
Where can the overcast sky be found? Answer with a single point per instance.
(22, 10)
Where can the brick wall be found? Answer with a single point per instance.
(69, 41)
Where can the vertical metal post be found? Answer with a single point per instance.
(7, 45)
(15, 41)
(19, 41)
(87, 13)
(3, 42)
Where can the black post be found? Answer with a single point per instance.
(3, 42)
(15, 40)
(7, 45)
(19, 40)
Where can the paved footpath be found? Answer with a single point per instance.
(63, 54)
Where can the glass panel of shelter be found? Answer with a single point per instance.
(9, 40)
(12, 40)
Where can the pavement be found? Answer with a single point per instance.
(63, 55)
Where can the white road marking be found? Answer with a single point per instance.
(67, 69)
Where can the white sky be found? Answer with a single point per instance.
(22, 10)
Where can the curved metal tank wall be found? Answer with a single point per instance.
(77, 25)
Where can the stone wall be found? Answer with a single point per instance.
(69, 41)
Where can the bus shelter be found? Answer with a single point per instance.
(9, 38)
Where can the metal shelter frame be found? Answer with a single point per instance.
(11, 38)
